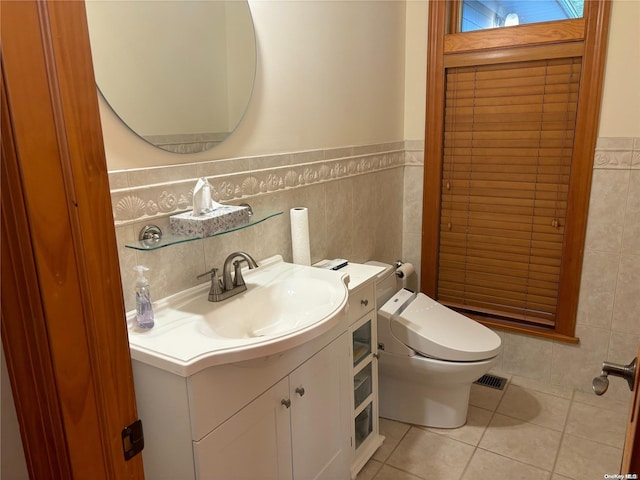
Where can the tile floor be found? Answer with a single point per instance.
(528, 431)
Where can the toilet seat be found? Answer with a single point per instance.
(436, 331)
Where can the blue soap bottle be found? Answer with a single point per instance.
(144, 309)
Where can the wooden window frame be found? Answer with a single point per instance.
(588, 35)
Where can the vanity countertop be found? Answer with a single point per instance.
(285, 306)
(358, 273)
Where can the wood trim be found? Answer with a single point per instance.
(25, 343)
(596, 15)
(434, 129)
(55, 122)
(521, 35)
(508, 55)
(531, 330)
(455, 16)
(94, 231)
(631, 452)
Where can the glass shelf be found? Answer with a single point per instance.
(172, 239)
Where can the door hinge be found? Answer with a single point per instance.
(132, 440)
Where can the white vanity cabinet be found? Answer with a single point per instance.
(281, 417)
(307, 412)
(297, 429)
(254, 443)
(363, 364)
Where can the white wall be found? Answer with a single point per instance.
(417, 16)
(620, 115)
(330, 74)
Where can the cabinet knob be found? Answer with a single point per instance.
(364, 302)
(376, 355)
(286, 402)
(300, 391)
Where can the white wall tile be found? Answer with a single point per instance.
(576, 365)
(626, 308)
(527, 356)
(597, 288)
(606, 210)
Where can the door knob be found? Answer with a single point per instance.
(628, 372)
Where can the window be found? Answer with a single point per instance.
(510, 138)
(483, 14)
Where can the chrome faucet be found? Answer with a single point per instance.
(225, 287)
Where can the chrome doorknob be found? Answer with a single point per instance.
(628, 372)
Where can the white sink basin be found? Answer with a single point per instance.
(285, 305)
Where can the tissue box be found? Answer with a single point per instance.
(221, 219)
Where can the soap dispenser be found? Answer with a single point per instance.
(144, 309)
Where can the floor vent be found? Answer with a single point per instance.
(492, 381)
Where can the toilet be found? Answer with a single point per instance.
(429, 355)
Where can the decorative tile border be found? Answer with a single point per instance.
(142, 194)
(617, 153)
(163, 197)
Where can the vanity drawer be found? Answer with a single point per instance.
(361, 301)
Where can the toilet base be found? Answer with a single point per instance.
(421, 405)
(425, 391)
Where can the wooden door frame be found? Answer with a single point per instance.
(631, 452)
(63, 324)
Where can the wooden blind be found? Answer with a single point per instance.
(508, 144)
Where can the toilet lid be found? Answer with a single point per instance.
(439, 332)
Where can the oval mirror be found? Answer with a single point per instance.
(179, 74)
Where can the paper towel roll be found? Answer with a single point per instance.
(407, 273)
(300, 236)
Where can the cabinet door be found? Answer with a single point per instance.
(253, 444)
(320, 414)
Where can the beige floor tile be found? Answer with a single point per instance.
(486, 465)
(602, 401)
(602, 425)
(369, 470)
(557, 390)
(583, 459)
(526, 442)
(389, 473)
(535, 407)
(555, 476)
(471, 432)
(485, 397)
(393, 432)
(431, 456)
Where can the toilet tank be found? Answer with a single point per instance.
(387, 283)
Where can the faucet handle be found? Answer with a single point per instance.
(211, 273)
(215, 280)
